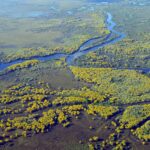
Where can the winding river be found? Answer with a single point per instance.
(80, 51)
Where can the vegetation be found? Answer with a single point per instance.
(125, 54)
(103, 111)
(38, 36)
(50, 108)
(109, 81)
(100, 102)
(143, 132)
(22, 65)
(133, 50)
(28, 99)
(133, 115)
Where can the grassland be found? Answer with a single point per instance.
(93, 103)
(53, 32)
(133, 51)
(50, 105)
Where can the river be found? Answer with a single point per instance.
(80, 52)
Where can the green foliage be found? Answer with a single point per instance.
(68, 100)
(59, 33)
(124, 86)
(133, 115)
(22, 65)
(88, 94)
(103, 111)
(143, 132)
(125, 54)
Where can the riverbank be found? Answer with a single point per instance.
(70, 58)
